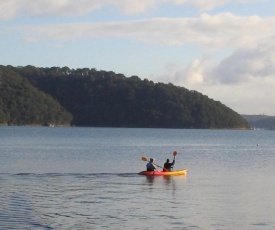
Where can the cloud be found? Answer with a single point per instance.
(192, 74)
(135, 6)
(244, 64)
(10, 9)
(251, 66)
(15, 8)
(209, 4)
(218, 31)
(250, 97)
(241, 67)
(248, 92)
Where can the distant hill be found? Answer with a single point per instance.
(23, 104)
(260, 121)
(106, 99)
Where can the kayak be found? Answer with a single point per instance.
(161, 173)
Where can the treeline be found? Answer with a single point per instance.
(107, 99)
(22, 104)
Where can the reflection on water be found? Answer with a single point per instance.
(167, 180)
(150, 179)
(169, 183)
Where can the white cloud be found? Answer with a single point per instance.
(244, 81)
(9, 9)
(135, 6)
(204, 5)
(254, 95)
(245, 64)
(192, 74)
(218, 31)
(57, 8)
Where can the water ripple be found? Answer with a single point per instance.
(62, 201)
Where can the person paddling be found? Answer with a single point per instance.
(168, 166)
(150, 165)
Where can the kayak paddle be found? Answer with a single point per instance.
(174, 154)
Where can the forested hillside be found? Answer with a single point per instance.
(22, 104)
(261, 121)
(107, 99)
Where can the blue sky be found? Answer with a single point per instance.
(224, 49)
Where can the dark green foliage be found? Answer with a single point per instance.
(107, 99)
(22, 104)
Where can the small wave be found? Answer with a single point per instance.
(261, 224)
(69, 174)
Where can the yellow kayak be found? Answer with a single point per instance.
(161, 173)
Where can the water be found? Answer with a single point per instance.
(86, 178)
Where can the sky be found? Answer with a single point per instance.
(223, 49)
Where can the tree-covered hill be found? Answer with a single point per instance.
(23, 104)
(107, 99)
(260, 121)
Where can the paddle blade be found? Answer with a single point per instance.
(144, 158)
(175, 153)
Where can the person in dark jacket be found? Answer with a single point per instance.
(168, 166)
(150, 165)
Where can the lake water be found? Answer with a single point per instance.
(86, 178)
